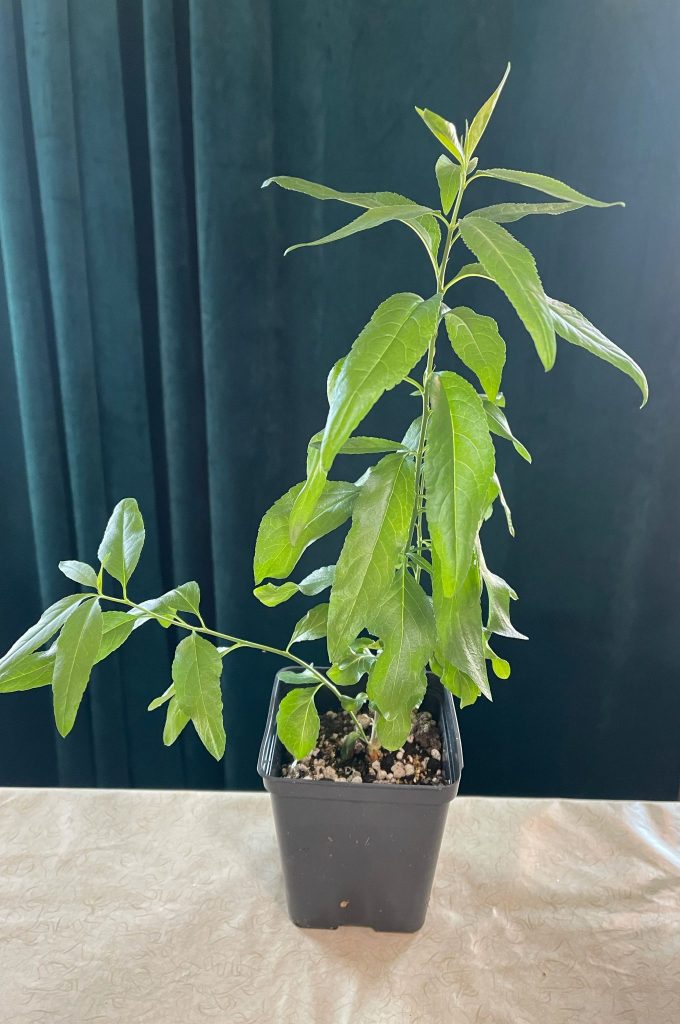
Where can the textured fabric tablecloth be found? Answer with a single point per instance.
(168, 908)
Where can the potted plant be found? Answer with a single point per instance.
(405, 624)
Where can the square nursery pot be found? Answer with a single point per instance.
(360, 855)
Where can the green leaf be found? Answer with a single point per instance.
(498, 424)
(116, 628)
(298, 677)
(275, 554)
(373, 549)
(175, 721)
(196, 671)
(550, 186)
(513, 268)
(163, 699)
(507, 213)
(412, 435)
(367, 200)
(27, 673)
(471, 270)
(395, 338)
(397, 682)
(393, 731)
(459, 465)
(354, 704)
(499, 594)
(504, 505)
(574, 328)
(460, 685)
(448, 179)
(312, 625)
(477, 343)
(123, 541)
(444, 132)
(363, 445)
(76, 652)
(80, 572)
(271, 595)
(500, 667)
(185, 598)
(365, 221)
(49, 623)
(354, 664)
(297, 722)
(317, 581)
(482, 118)
(459, 629)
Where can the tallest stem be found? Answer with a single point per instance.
(417, 514)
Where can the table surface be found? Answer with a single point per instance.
(168, 908)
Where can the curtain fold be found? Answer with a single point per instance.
(154, 342)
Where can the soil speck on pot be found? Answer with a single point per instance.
(418, 762)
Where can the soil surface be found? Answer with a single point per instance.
(418, 762)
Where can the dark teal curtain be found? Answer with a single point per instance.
(153, 342)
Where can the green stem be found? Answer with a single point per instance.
(440, 274)
(239, 642)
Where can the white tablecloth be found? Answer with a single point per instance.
(168, 908)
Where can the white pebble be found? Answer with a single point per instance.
(399, 755)
(398, 772)
(356, 778)
(435, 754)
(409, 769)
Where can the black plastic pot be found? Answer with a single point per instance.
(360, 854)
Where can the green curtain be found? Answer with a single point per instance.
(155, 343)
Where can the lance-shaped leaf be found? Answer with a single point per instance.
(123, 541)
(395, 338)
(365, 221)
(574, 328)
(482, 117)
(498, 493)
(80, 572)
(76, 652)
(471, 270)
(477, 343)
(185, 598)
(458, 621)
(444, 132)
(507, 213)
(499, 594)
(373, 549)
(363, 445)
(116, 628)
(196, 671)
(158, 702)
(542, 183)
(275, 553)
(299, 677)
(27, 673)
(448, 179)
(49, 623)
(498, 424)
(312, 625)
(513, 268)
(425, 226)
(297, 721)
(397, 682)
(271, 594)
(176, 719)
(459, 466)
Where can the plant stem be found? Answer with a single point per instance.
(440, 274)
(239, 642)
